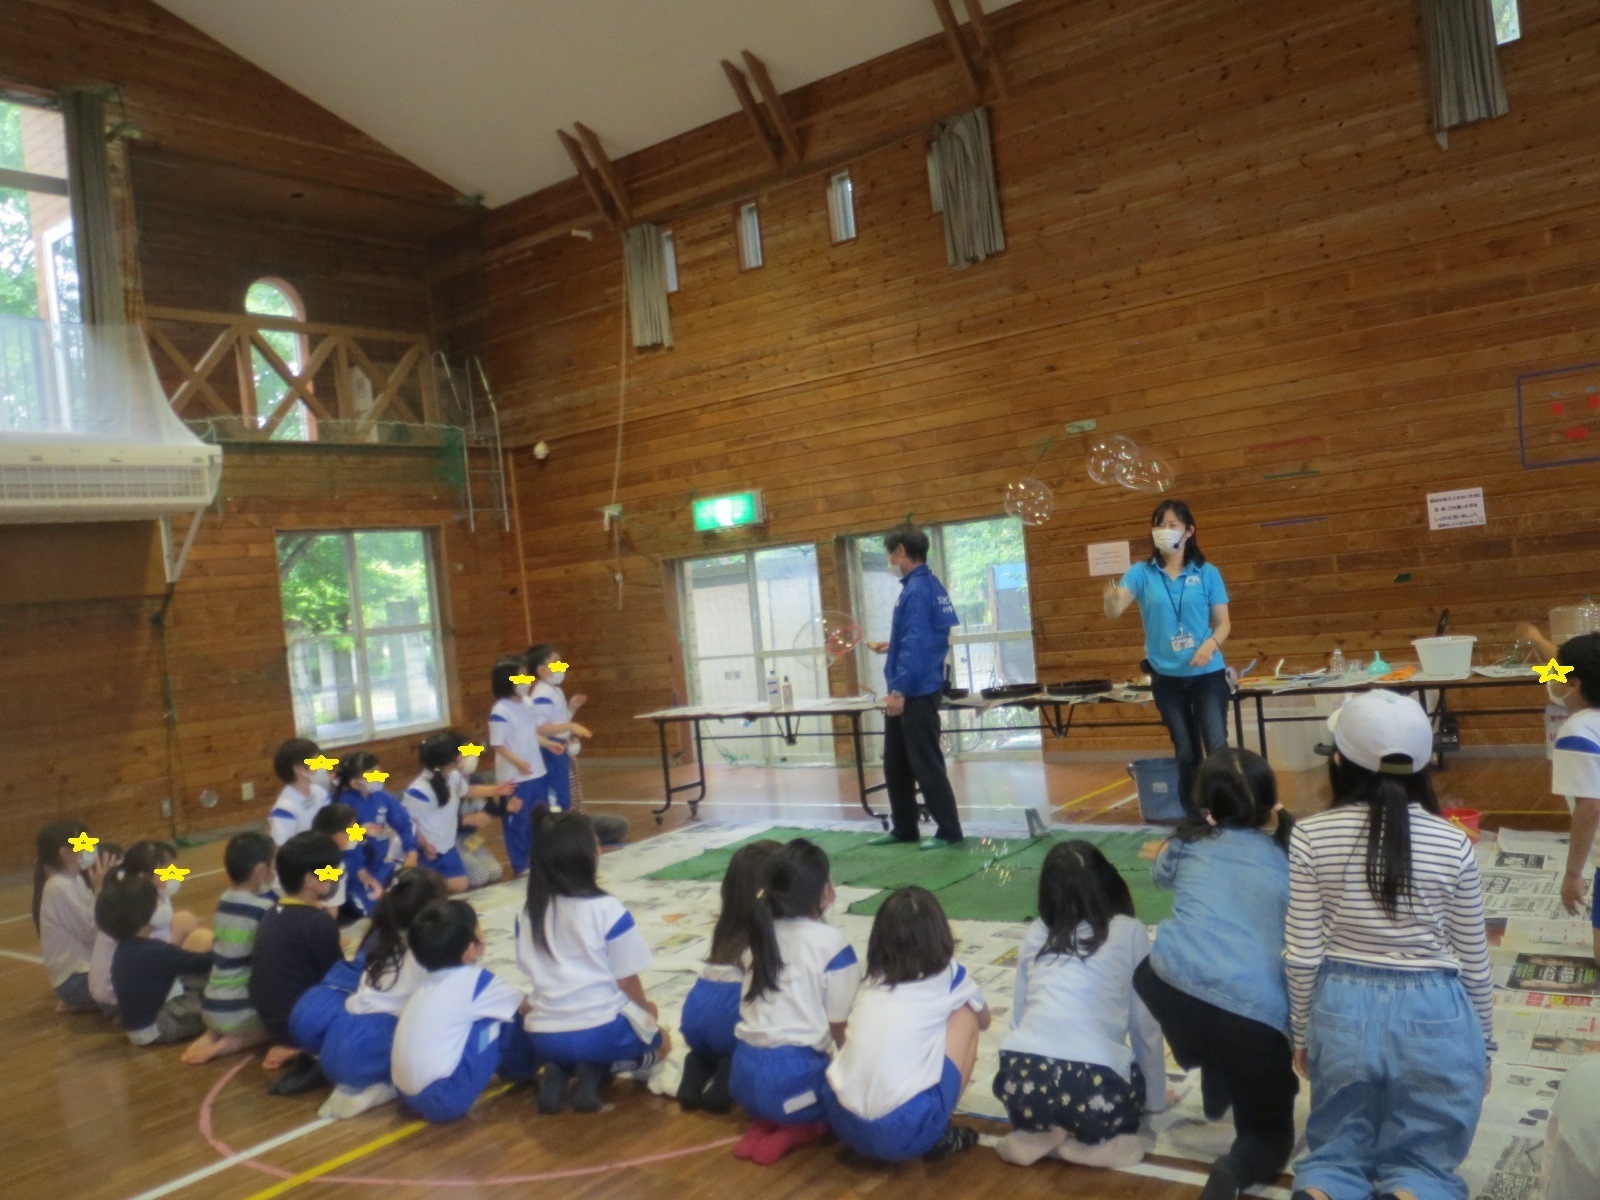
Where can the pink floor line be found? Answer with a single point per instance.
(226, 1151)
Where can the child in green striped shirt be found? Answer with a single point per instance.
(231, 1022)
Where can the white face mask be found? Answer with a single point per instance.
(468, 766)
(172, 886)
(523, 689)
(1564, 695)
(319, 779)
(86, 858)
(896, 570)
(557, 676)
(1168, 540)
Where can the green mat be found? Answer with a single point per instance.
(982, 880)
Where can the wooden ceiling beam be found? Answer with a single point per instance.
(591, 182)
(991, 58)
(775, 109)
(608, 173)
(741, 88)
(958, 47)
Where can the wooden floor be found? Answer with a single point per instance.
(85, 1115)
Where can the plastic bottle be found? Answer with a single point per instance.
(1377, 666)
(787, 693)
(1336, 663)
(774, 696)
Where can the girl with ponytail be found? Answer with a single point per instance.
(1391, 1002)
(801, 981)
(433, 801)
(391, 837)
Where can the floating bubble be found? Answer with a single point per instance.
(1030, 500)
(1114, 445)
(1103, 469)
(1147, 474)
(834, 632)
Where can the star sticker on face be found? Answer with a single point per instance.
(329, 874)
(375, 776)
(322, 763)
(82, 842)
(1552, 672)
(356, 832)
(521, 680)
(469, 750)
(558, 666)
(172, 874)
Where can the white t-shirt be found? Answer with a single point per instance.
(66, 926)
(292, 811)
(1085, 1010)
(815, 989)
(1575, 764)
(895, 1044)
(392, 992)
(550, 708)
(511, 725)
(432, 1034)
(593, 943)
(435, 822)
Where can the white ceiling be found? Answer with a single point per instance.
(473, 90)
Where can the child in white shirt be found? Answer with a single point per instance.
(588, 1014)
(912, 1039)
(1575, 771)
(517, 755)
(801, 980)
(304, 790)
(433, 802)
(1083, 1061)
(457, 1028)
(65, 883)
(552, 719)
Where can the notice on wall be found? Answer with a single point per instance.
(1108, 558)
(1457, 509)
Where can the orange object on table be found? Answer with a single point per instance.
(1465, 819)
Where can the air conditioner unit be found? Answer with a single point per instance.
(48, 481)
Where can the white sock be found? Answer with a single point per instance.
(349, 1102)
(1124, 1150)
(1024, 1148)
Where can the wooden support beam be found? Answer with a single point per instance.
(775, 109)
(608, 173)
(741, 88)
(958, 48)
(591, 182)
(991, 58)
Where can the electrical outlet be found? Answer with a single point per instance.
(166, 806)
(247, 791)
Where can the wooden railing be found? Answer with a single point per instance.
(210, 363)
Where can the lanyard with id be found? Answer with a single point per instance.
(1181, 641)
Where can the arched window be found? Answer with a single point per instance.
(276, 298)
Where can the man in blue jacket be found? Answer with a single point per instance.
(919, 639)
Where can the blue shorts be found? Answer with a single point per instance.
(355, 1051)
(710, 1012)
(448, 864)
(1594, 902)
(322, 1003)
(909, 1131)
(781, 1084)
(613, 1042)
(489, 1040)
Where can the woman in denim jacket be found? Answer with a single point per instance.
(1215, 979)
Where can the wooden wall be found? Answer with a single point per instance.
(1231, 235)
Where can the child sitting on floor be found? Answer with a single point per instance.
(304, 790)
(158, 985)
(65, 883)
(174, 926)
(231, 1023)
(358, 889)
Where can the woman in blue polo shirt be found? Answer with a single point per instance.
(1184, 605)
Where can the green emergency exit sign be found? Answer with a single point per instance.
(728, 512)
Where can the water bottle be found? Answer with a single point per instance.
(774, 696)
(1336, 663)
(787, 693)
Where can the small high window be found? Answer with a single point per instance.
(841, 208)
(1507, 21)
(275, 298)
(749, 237)
(669, 260)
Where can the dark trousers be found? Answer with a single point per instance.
(1252, 1061)
(1194, 709)
(912, 759)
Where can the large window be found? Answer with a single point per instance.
(275, 298)
(985, 569)
(361, 619)
(750, 618)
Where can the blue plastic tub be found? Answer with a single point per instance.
(1157, 781)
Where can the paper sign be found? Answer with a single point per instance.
(1108, 558)
(1457, 509)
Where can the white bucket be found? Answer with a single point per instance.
(1445, 656)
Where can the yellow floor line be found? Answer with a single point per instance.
(1099, 791)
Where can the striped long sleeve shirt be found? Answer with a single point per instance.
(1332, 913)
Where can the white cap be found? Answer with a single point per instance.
(1380, 723)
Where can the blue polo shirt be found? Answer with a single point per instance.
(1168, 604)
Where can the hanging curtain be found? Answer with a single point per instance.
(645, 275)
(1463, 63)
(968, 192)
(94, 224)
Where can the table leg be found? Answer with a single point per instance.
(1261, 725)
(859, 745)
(1238, 719)
(666, 774)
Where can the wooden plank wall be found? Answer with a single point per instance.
(1231, 235)
(88, 714)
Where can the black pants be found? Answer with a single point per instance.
(1195, 711)
(1254, 1062)
(912, 759)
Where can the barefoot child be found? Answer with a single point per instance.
(231, 1022)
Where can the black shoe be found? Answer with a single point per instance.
(956, 1139)
(1224, 1182)
(696, 1074)
(586, 1099)
(303, 1074)
(552, 1089)
(716, 1098)
(1214, 1095)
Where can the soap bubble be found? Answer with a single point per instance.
(1148, 473)
(1103, 469)
(1030, 500)
(1114, 445)
(832, 631)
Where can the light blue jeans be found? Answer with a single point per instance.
(1397, 1077)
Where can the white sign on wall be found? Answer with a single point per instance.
(1457, 509)
(1108, 558)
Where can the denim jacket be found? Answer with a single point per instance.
(1224, 941)
(919, 636)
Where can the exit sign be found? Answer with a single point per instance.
(728, 512)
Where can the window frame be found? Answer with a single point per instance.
(296, 362)
(842, 226)
(359, 633)
(752, 255)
